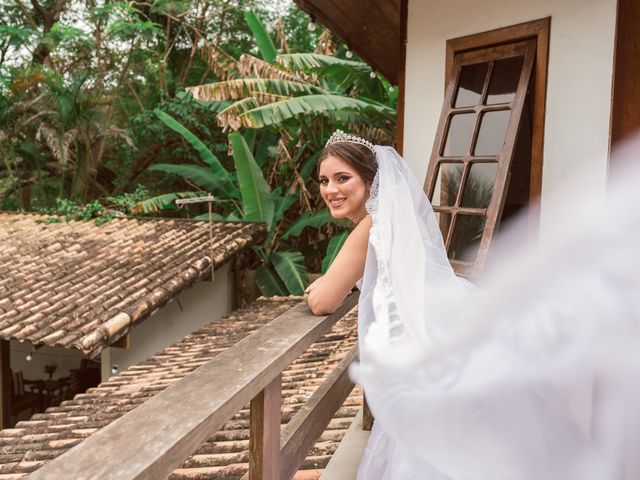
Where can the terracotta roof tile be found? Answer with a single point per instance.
(80, 285)
(224, 455)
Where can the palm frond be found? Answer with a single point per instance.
(115, 132)
(24, 105)
(57, 143)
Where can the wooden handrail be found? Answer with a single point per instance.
(307, 425)
(157, 436)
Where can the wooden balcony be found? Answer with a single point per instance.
(156, 437)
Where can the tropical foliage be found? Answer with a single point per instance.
(288, 102)
(122, 107)
(78, 81)
(244, 194)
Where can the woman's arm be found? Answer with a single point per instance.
(347, 268)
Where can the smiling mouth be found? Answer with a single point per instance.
(336, 203)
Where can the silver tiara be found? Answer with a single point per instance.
(340, 136)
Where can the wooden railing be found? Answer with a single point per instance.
(156, 437)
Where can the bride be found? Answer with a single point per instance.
(532, 376)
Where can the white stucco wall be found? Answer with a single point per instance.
(201, 304)
(579, 76)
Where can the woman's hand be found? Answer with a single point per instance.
(312, 285)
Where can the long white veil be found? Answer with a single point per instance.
(535, 375)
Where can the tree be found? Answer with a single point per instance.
(119, 60)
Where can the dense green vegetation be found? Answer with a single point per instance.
(111, 108)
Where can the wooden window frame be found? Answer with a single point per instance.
(537, 33)
(540, 31)
(502, 158)
(625, 114)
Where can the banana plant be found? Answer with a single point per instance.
(244, 194)
(293, 90)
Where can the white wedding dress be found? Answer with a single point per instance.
(532, 376)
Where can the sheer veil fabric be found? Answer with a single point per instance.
(531, 376)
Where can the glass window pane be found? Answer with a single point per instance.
(447, 184)
(479, 185)
(467, 233)
(444, 221)
(493, 128)
(459, 135)
(469, 90)
(504, 80)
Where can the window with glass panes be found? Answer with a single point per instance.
(468, 175)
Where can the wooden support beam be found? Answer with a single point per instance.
(123, 342)
(264, 432)
(5, 385)
(307, 425)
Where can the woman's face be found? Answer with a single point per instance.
(342, 188)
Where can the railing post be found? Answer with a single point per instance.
(367, 416)
(264, 432)
(5, 385)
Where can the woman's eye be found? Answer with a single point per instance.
(343, 178)
(323, 181)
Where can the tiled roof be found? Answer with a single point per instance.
(80, 285)
(224, 455)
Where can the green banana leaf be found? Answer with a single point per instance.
(262, 151)
(351, 109)
(315, 220)
(201, 176)
(250, 138)
(165, 201)
(269, 283)
(345, 73)
(265, 44)
(226, 181)
(215, 217)
(257, 202)
(282, 203)
(291, 270)
(309, 165)
(335, 244)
